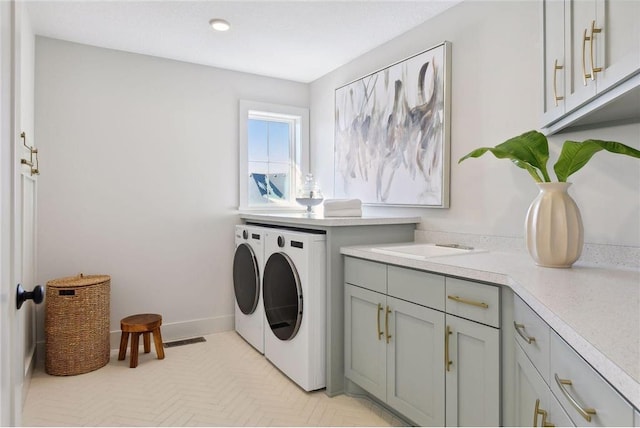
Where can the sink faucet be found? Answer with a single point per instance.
(461, 247)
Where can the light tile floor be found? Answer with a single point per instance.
(220, 382)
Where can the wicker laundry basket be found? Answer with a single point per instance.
(77, 324)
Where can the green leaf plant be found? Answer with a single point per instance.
(530, 151)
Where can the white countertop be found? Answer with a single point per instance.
(594, 309)
(304, 219)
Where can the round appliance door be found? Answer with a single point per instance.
(246, 279)
(282, 296)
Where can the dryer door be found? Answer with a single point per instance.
(246, 278)
(282, 294)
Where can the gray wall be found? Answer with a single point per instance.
(496, 94)
(139, 161)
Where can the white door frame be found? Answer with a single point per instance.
(11, 343)
(7, 183)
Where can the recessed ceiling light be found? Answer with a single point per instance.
(219, 24)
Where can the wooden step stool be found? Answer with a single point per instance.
(144, 324)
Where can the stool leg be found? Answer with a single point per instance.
(124, 339)
(135, 343)
(157, 340)
(147, 341)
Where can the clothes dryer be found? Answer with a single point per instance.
(293, 289)
(248, 263)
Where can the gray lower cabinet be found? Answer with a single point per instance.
(472, 377)
(536, 406)
(404, 347)
(393, 349)
(553, 381)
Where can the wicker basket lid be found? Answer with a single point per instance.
(80, 280)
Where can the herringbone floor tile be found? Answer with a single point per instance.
(220, 382)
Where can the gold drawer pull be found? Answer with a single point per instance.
(520, 329)
(447, 361)
(594, 30)
(386, 323)
(585, 75)
(538, 411)
(584, 412)
(556, 67)
(469, 302)
(380, 333)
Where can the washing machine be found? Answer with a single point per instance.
(248, 264)
(294, 296)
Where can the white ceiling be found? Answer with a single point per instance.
(295, 40)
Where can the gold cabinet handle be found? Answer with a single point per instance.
(386, 323)
(556, 67)
(468, 302)
(585, 75)
(380, 333)
(594, 30)
(538, 411)
(447, 361)
(520, 330)
(584, 412)
(32, 151)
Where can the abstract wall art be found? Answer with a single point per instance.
(392, 133)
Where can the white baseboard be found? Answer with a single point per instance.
(186, 329)
(171, 331)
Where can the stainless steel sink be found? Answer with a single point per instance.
(425, 251)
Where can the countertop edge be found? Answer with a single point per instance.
(318, 220)
(620, 380)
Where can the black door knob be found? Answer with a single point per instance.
(37, 295)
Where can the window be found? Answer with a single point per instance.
(273, 154)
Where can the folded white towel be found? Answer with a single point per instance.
(350, 212)
(342, 204)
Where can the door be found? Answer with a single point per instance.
(535, 405)
(415, 358)
(7, 311)
(582, 51)
(365, 344)
(619, 40)
(554, 66)
(246, 278)
(473, 374)
(282, 296)
(18, 190)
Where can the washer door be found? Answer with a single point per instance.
(282, 295)
(246, 278)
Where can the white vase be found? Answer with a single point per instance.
(553, 229)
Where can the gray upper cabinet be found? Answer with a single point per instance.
(591, 62)
(554, 64)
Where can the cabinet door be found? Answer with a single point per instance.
(535, 405)
(579, 84)
(365, 347)
(619, 41)
(554, 66)
(586, 397)
(473, 376)
(415, 355)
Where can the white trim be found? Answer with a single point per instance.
(186, 329)
(302, 155)
(172, 331)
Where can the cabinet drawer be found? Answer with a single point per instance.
(533, 336)
(588, 390)
(366, 274)
(474, 301)
(415, 286)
